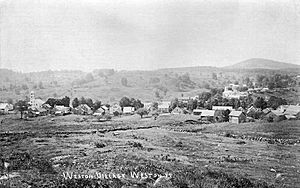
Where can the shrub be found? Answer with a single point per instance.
(99, 145)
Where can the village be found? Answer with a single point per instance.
(231, 105)
(216, 133)
(149, 94)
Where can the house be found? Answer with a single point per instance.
(163, 107)
(38, 111)
(222, 108)
(5, 107)
(147, 105)
(115, 108)
(61, 110)
(275, 115)
(290, 117)
(42, 111)
(105, 108)
(265, 89)
(208, 115)
(177, 110)
(128, 110)
(205, 114)
(197, 112)
(237, 117)
(184, 100)
(232, 92)
(46, 106)
(252, 109)
(101, 111)
(291, 110)
(83, 109)
(266, 110)
(241, 109)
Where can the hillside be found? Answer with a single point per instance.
(107, 86)
(259, 63)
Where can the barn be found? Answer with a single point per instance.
(237, 117)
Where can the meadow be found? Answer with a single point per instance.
(172, 151)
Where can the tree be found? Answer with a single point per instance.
(10, 101)
(24, 87)
(17, 91)
(89, 102)
(205, 96)
(157, 94)
(192, 104)
(21, 106)
(51, 101)
(214, 76)
(89, 77)
(124, 82)
(226, 115)
(116, 113)
(82, 100)
(141, 112)
(174, 103)
(65, 101)
(275, 102)
(260, 103)
(259, 79)
(154, 80)
(136, 103)
(163, 89)
(206, 85)
(125, 101)
(75, 102)
(248, 82)
(41, 85)
(97, 105)
(222, 115)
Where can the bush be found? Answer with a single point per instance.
(99, 145)
(142, 112)
(116, 113)
(136, 144)
(107, 117)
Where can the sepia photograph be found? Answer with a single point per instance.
(149, 94)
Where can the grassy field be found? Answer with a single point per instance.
(172, 151)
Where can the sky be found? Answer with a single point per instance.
(38, 35)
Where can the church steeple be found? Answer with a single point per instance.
(32, 98)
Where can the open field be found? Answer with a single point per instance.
(45, 151)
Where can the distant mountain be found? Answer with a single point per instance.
(259, 63)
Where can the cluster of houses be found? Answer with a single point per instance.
(231, 91)
(38, 107)
(235, 116)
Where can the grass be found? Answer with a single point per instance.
(197, 155)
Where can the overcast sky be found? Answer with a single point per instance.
(145, 34)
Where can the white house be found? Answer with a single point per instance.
(163, 107)
(115, 108)
(222, 108)
(5, 107)
(232, 92)
(128, 110)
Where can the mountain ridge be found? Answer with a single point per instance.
(261, 63)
